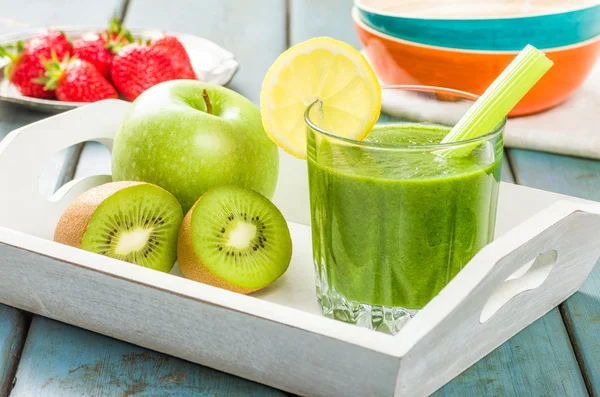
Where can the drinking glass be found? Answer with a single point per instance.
(396, 216)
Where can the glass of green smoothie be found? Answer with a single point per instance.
(397, 215)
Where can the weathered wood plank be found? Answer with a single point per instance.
(507, 174)
(95, 161)
(13, 331)
(61, 360)
(254, 31)
(520, 368)
(537, 361)
(581, 178)
(13, 116)
(23, 15)
(561, 174)
(312, 18)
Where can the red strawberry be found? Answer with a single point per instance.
(138, 67)
(42, 43)
(117, 33)
(26, 62)
(99, 48)
(76, 80)
(23, 71)
(92, 47)
(175, 50)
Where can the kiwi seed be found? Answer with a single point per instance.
(223, 240)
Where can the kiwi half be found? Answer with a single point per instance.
(132, 221)
(234, 238)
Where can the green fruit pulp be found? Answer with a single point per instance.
(240, 236)
(138, 224)
(167, 138)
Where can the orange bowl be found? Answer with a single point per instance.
(403, 62)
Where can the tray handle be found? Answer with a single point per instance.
(508, 285)
(24, 151)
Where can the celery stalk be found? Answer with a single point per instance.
(500, 97)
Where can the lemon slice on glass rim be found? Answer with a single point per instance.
(325, 70)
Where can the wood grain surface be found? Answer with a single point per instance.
(13, 331)
(61, 360)
(539, 361)
(581, 178)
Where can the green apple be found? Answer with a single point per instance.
(188, 137)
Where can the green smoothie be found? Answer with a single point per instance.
(392, 227)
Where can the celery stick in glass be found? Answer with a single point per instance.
(500, 98)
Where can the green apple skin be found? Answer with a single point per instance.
(167, 138)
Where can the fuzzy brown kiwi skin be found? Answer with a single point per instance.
(73, 222)
(190, 264)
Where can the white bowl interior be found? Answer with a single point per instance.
(471, 9)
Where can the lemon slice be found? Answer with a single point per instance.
(326, 70)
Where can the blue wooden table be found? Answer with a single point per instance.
(559, 355)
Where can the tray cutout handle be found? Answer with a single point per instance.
(448, 335)
(24, 151)
(530, 276)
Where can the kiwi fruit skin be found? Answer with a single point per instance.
(74, 221)
(191, 264)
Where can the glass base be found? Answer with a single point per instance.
(379, 318)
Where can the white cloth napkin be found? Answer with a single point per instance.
(572, 128)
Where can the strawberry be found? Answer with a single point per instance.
(26, 62)
(117, 33)
(23, 70)
(42, 43)
(93, 48)
(76, 80)
(99, 48)
(138, 66)
(175, 50)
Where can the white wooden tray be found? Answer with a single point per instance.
(547, 246)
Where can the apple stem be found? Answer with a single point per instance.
(207, 101)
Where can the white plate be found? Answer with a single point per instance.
(211, 63)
